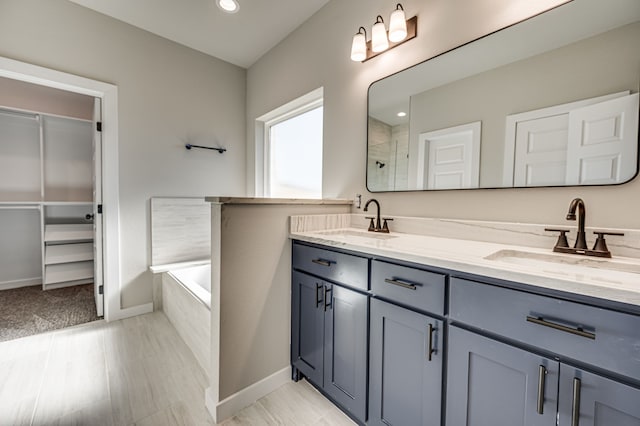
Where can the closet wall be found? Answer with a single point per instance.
(46, 186)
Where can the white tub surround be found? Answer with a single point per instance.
(180, 235)
(507, 251)
(180, 229)
(250, 296)
(188, 312)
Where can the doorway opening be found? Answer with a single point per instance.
(50, 205)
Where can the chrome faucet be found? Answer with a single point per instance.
(581, 239)
(580, 247)
(378, 226)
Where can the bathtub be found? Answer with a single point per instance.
(186, 301)
(197, 280)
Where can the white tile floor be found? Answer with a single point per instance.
(135, 371)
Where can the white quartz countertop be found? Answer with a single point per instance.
(616, 279)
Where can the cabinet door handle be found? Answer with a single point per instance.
(575, 405)
(542, 372)
(400, 283)
(328, 289)
(430, 349)
(577, 331)
(318, 294)
(321, 262)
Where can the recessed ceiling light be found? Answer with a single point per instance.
(402, 114)
(229, 6)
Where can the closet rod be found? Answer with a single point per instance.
(220, 150)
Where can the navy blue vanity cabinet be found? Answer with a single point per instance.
(588, 399)
(329, 325)
(406, 347)
(307, 340)
(509, 383)
(492, 383)
(406, 367)
(345, 349)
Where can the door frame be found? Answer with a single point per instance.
(108, 93)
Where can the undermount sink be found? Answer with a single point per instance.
(354, 233)
(560, 261)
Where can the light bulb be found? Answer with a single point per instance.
(397, 25)
(359, 46)
(229, 6)
(379, 41)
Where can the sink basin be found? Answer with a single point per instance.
(354, 233)
(560, 261)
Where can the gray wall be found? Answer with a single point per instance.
(317, 54)
(167, 94)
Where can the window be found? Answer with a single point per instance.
(292, 150)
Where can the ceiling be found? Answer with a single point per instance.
(240, 38)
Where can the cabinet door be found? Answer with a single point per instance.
(494, 384)
(598, 401)
(307, 326)
(405, 375)
(345, 345)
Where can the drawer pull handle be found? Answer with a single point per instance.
(321, 262)
(400, 283)
(577, 331)
(430, 349)
(318, 294)
(542, 372)
(575, 405)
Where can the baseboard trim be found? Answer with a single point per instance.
(27, 282)
(231, 405)
(133, 311)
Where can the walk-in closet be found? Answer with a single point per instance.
(49, 197)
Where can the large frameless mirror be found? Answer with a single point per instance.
(550, 101)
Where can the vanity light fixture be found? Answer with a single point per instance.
(379, 40)
(229, 6)
(359, 45)
(397, 25)
(400, 31)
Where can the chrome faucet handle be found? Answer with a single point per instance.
(601, 243)
(562, 238)
(372, 226)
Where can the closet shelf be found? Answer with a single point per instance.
(68, 253)
(65, 272)
(68, 233)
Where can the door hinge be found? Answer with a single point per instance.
(101, 289)
(99, 208)
(99, 126)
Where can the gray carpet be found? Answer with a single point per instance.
(30, 310)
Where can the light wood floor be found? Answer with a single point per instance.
(135, 371)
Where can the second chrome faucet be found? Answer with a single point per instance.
(580, 247)
(378, 226)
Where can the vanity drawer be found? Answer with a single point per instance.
(409, 286)
(339, 267)
(597, 336)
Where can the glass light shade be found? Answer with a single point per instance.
(379, 41)
(359, 47)
(397, 26)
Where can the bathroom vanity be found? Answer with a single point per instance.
(405, 329)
